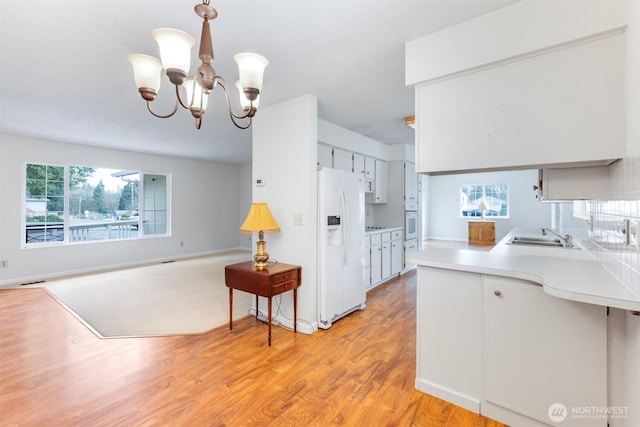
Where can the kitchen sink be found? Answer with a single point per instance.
(536, 241)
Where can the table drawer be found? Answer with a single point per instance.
(289, 276)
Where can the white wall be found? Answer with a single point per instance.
(443, 217)
(285, 153)
(205, 210)
(246, 196)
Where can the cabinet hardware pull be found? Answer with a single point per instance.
(497, 293)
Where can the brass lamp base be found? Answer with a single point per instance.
(261, 257)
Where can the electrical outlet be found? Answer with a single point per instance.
(297, 219)
(4, 263)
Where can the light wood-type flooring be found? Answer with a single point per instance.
(361, 372)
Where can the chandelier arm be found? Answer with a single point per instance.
(179, 98)
(232, 114)
(160, 116)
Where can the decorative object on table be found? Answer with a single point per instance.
(260, 220)
(175, 47)
(482, 206)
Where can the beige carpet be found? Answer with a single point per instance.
(176, 298)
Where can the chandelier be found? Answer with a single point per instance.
(192, 91)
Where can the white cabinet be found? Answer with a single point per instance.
(376, 258)
(369, 168)
(540, 350)
(585, 183)
(386, 254)
(504, 348)
(564, 106)
(410, 246)
(396, 252)
(358, 165)
(410, 187)
(381, 182)
(342, 159)
(325, 156)
(449, 336)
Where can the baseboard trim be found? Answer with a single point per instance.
(452, 396)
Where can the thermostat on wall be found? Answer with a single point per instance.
(259, 182)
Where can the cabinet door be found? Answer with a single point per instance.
(396, 256)
(527, 111)
(381, 189)
(410, 247)
(325, 156)
(369, 168)
(410, 183)
(376, 263)
(342, 160)
(540, 350)
(358, 165)
(386, 259)
(574, 183)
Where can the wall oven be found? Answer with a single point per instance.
(410, 225)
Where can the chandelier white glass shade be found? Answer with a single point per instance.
(192, 91)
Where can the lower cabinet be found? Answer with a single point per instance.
(504, 348)
(397, 260)
(541, 351)
(385, 256)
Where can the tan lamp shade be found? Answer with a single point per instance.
(260, 219)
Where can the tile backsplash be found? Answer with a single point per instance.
(611, 229)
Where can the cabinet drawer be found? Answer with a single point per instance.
(285, 277)
(397, 234)
(386, 236)
(375, 239)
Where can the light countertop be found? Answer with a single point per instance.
(571, 274)
(380, 230)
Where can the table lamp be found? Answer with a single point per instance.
(482, 206)
(260, 219)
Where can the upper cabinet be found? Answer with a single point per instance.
(374, 172)
(410, 187)
(381, 182)
(550, 93)
(563, 184)
(325, 156)
(342, 160)
(563, 107)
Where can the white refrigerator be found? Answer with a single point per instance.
(342, 249)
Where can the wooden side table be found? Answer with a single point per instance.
(266, 282)
(482, 233)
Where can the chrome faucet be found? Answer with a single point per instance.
(568, 239)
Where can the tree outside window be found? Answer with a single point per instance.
(103, 204)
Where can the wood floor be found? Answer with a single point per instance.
(361, 372)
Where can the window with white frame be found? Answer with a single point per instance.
(68, 204)
(495, 197)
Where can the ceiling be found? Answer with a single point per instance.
(65, 76)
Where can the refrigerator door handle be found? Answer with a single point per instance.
(345, 221)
